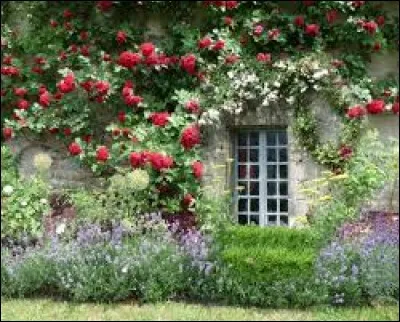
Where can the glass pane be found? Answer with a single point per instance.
(271, 188)
(284, 205)
(283, 157)
(282, 138)
(242, 139)
(284, 220)
(255, 219)
(283, 188)
(254, 188)
(242, 188)
(242, 206)
(242, 171)
(254, 205)
(242, 220)
(271, 138)
(254, 138)
(271, 205)
(253, 155)
(283, 171)
(272, 220)
(242, 155)
(271, 171)
(271, 155)
(254, 171)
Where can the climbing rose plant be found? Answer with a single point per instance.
(97, 81)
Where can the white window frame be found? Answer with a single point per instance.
(263, 149)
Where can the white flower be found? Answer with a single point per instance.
(290, 99)
(60, 228)
(24, 203)
(43, 201)
(124, 269)
(8, 190)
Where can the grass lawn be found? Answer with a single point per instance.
(36, 310)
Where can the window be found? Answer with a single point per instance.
(261, 177)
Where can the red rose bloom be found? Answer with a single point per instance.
(312, 30)
(151, 60)
(53, 23)
(73, 48)
(62, 56)
(107, 57)
(132, 100)
(204, 43)
(57, 96)
(20, 91)
(67, 85)
(7, 133)
(40, 60)
(102, 87)
(7, 60)
(273, 34)
(104, 5)
(160, 161)
(308, 3)
(87, 138)
(37, 70)
(116, 132)
(345, 152)
(84, 35)
(190, 137)
(136, 159)
(198, 169)
(188, 63)
(68, 25)
(380, 20)
(9, 71)
(122, 116)
(23, 104)
(357, 4)
(376, 106)
(121, 37)
(53, 130)
(102, 154)
(128, 59)
(370, 27)
(356, 112)
(395, 108)
(159, 118)
(264, 57)
(192, 106)
(258, 30)
(299, 21)
(67, 131)
(44, 99)
(228, 21)
(377, 46)
(74, 149)
(147, 48)
(231, 59)
(87, 85)
(331, 16)
(188, 199)
(219, 45)
(68, 14)
(85, 50)
(231, 4)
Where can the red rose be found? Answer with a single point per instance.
(376, 106)
(68, 25)
(198, 169)
(121, 37)
(87, 138)
(67, 85)
(273, 34)
(102, 87)
(104, 5)
(7, 60)
(357, 4)
(377, 46)
(9, 71)
(44, 99)
(299, 21)
(53, 130)
(57, 96)
(312, 30)
(53, 23)
(122, 116)
(133, 100)
(67, 131)
(192, 106)
(188, 199)
(159, 118)
(331, 16)
(102, 154)
(62, 56)
(160, 161)
(258, 30)
(20, 91)
(68, 14)
(190, 137)
(356, 112)
(370, 27)
(87, 85)
(8, 133)
(73, 48)
(231, 59)
(151, 60)
(116, 132)
(84, 35)
(345, 152)
(85, 50)
(107, 57)
(395, 108)
(40, 60)
(231, 4)
(147, 48)
(219, 45)
(228, 21)
(188, 63)
(204, 42)
(74, 149)
(136, 159)
(380, 20)
(308, 3)
(37, 70)
(42, 89)
(23, 104)
(128, 59)
(264, 57)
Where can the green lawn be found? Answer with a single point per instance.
(36, 310)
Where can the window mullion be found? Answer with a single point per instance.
(263, 177)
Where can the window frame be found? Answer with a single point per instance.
(262, 179)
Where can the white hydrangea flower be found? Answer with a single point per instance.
(8, 190)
